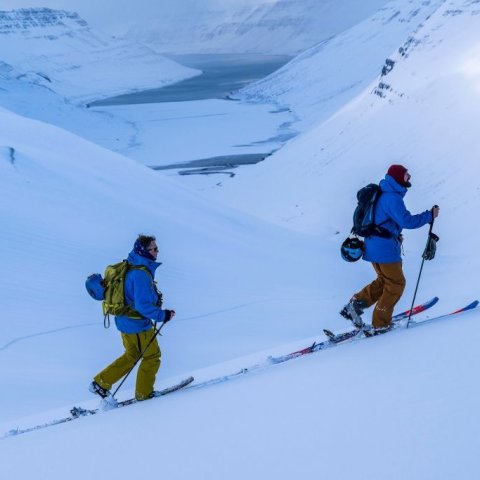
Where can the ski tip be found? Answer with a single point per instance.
(470, 306)
(328, 333)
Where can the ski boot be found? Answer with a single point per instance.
(371, 332)
(353, 311)
(99, 390)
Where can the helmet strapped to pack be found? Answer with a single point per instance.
(352, 249)
(95, 287)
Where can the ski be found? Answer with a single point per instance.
(397, 324)
(81, 412)
(358, 334)
(78, 412)
(396, 319)
(341, 337)
(159, 393)
(471, 306)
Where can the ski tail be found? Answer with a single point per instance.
(174, 388)
(289, 356)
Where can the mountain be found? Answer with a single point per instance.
(59, 51)
(325, 77)
(266, 26)
(419, 111)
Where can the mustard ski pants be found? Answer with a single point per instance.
(134, 344)
(385, 291)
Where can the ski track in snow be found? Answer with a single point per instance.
(216, 312)
(48, 332)
(57, 330)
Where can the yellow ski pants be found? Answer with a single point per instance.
(134, 344)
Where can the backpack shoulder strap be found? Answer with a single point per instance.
(139, 267)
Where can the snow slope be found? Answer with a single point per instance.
(399, 406)
(24, 95)
(58, 50)
(403, 405)
(422, 113)
(264, 26)
(71, 208)
(327, 76)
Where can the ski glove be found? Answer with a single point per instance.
(431, 247)
(169, 315)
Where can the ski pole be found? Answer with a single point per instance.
(139, 358)
(421, 267)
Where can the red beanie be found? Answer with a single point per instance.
(398, 173)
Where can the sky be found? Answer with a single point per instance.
(117, 15)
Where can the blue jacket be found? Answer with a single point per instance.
(391, 213)
(141, 295)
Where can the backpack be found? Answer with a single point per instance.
(111, 290)
(364, 216)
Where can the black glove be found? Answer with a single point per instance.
(169, 314)
(431, 247)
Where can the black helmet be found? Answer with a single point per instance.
(352, 249)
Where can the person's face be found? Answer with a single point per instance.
(407, 177)
(153, 249)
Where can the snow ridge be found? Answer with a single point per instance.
(324, 78)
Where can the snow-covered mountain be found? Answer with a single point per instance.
(324, 78)
(266, 26)
(59, 51)
(420, 111)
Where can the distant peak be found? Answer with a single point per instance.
(28, 18)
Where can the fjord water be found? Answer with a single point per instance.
(221, 75)
(195, 127)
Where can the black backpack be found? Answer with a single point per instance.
(364, 216)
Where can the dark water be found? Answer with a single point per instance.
(215, 165)
(222, 75)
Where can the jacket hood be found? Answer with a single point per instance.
(136, 259)
(390, 185)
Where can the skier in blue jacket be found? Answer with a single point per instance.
(137, 333)
(385, 252)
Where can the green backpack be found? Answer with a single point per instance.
(114, 284)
